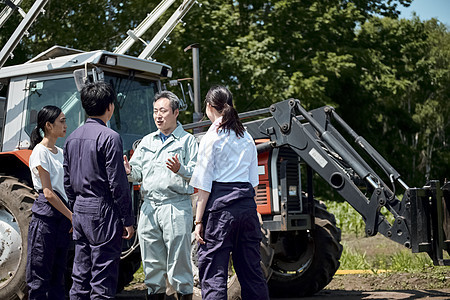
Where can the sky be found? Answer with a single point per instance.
(427, 9)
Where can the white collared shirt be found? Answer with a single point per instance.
(225, 157)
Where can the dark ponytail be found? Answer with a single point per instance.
(221, 99)
(48, 113)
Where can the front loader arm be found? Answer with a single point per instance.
(419, 216)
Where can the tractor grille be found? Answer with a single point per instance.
(261, 194)
(292, 169)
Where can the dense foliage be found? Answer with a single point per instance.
(389, 78)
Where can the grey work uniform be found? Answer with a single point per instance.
(165, 222)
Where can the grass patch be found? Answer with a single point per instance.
(349, 220)
(353, 260)
(139, 276)
(380, 253)
(405, 270)
(402, 261)
(405, 261)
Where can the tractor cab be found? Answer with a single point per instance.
(54, 77)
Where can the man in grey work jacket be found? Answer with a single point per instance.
(164, 162)
(98, 190)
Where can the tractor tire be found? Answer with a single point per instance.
(312, 268)
(16, 200)
(266, 251)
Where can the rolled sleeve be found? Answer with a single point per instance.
(188, 165)
(135, 173)
(203, 175)
(253, 172)
(136, 163)
(42, 160)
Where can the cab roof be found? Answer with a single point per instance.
(59, 58)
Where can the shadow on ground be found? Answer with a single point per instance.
(335, 294)
(396, 294)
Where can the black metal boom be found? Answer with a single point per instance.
(422, 217)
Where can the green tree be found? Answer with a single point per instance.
(388, 78)
(405, 83)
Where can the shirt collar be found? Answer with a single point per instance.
(177, 133)
(215, 126)
(163, 136)
(95, 120)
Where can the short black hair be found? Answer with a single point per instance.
(96, 97)
(173, 99)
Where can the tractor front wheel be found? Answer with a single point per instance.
(16, 200)
(306, 261)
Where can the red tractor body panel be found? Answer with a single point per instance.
(22, 155)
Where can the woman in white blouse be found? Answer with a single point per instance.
(48, 233)
(226, 219)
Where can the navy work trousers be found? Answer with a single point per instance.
(97, 232)
(48, 244)
(234, 229)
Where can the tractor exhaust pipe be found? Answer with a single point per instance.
(198, 115)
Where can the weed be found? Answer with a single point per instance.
(353, 260)
(139, 276)
(349, 220)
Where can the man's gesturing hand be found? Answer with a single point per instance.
(126, 164)
(173, 164)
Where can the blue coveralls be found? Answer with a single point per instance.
(48, 244)
(231, 225)
(97, 188)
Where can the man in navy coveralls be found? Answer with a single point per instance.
(98, 191)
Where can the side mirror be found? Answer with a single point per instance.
(82, 77)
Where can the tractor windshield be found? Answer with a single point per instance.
(132, 117)
(133, 111)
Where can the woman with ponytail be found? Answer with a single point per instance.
(226, 220)
(50, 225)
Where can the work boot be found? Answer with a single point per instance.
(171, 297)
(184, 297)
(155, 296)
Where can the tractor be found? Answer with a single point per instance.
(301, 246)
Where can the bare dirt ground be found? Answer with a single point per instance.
(138, 292)
(345, 287)
(360, 286)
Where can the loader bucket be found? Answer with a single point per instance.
(430, 220)
(446, 215)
